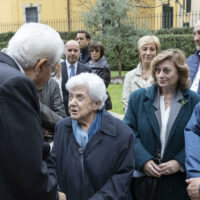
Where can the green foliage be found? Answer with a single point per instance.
(68, 35)
(3, 45)
(183, 42)
(184, 30)
(6, 36)
(130, 57)
(108, 22)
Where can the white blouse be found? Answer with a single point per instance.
(164, 121)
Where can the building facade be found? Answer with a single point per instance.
(65, 15)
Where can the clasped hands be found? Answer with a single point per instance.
(152, 169)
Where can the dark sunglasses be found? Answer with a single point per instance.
(95, 50)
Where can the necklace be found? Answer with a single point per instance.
(146, 75)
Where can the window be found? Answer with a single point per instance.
(188, 6)
(31, 14)
(167, 16)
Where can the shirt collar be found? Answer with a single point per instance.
(69, 64)
(20, 67)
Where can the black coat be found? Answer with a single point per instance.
(103, 170)
(23, 173)
(85, 55)
(80, 68)
(102, 69)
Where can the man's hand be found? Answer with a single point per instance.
(193, 188)
(62, 196)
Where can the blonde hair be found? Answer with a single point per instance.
(178, 58)
(58, 75)
(148, 39)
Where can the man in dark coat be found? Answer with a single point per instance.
(71, 67)
(23, 173)
(83, 39)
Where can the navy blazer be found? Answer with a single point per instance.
(80, 68)
(23, 173)
(103, 169)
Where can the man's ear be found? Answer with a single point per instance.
(39, 67)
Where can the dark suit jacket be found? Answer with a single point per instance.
(80, 68)
(23, 173)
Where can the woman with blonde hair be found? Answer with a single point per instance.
(140, 77)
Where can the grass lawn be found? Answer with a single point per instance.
(115, 92)
(115, 73)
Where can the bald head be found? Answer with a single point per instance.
(72, 51)
(197, 35)
(71, 42)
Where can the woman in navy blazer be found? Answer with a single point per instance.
(93, 152)
(160, 113)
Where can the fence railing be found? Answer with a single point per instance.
(166, 20)
(151, 22)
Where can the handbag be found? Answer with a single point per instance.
(146, 187)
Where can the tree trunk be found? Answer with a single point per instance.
(119, 63)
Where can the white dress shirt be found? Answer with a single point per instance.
(69, 69)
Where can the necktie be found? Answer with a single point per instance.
(72, 73)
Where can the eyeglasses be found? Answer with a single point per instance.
(95, 50)
(165, 70)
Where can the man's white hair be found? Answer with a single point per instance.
(94, 84)
(35, 41)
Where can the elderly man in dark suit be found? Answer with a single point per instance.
(28, 64)
(71, 67)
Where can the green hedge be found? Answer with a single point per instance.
(3, 44)
(68, 35)
(5, 37)
(130, 54)
(183, 42)
(130, 59)
(185, 30)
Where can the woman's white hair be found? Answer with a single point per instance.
(34, 41)
(94, 84)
